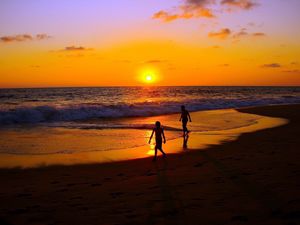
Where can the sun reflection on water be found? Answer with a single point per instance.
(151, 151)
(151, 145)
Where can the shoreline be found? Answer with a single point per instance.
(254, 179)
(198, 140)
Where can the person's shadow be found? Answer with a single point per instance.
(185, 141)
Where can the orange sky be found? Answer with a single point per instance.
(200, 42)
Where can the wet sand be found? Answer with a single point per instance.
(40, 146)
(252, 180)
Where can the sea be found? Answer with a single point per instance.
(53, 105)
(45, 121)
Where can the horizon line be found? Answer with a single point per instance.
(112, 86)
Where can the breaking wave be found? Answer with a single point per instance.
(48, 113)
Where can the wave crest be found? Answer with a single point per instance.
(47, 113)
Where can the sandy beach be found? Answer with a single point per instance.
(129, 112)
(252, 180)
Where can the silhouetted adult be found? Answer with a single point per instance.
(184, 118)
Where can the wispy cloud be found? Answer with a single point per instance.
(224, 65)
(222, 34)
(292, 71)
(184, 14)
(76, 48)
(241, 33)
(77, 55)
(239, 4)
(259, 34)
(73, 48)
(42, 36)
(225, 33)
(16, 38)
(271, 65)
(165, 16)
(216, 47)
(189, 9)
(72, 51)
(155, 61)
(244, 33)
(23, 37)
(35, 66)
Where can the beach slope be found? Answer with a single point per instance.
(253, 180)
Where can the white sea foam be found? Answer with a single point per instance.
(62, 105)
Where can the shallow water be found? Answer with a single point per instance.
(31, 146)
(56, 125)
(122, 133)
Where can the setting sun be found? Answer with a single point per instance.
(138, 112)
(148, 76)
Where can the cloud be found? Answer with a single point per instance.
(199, 2)
(76, 48)
(189, 9)
(23, 37)
(42, 36)
(78, 55)
(259, 34)
(165, 16)
(224, 65)
(155, 61)
(271, 65)
(216, 47)
(241, 33)
(184, 14)
(225, 33)
(222, 34)
(72, 51)
(35, 66)
(239, 4)
(17, 38)
(292, 71)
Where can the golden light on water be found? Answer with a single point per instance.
(151, 145)
(151, 150)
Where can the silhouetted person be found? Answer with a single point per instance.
(185, 117)
(159, 135)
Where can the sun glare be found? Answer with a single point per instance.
(149, 76)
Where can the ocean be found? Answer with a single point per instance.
(114, 121)
(50, 105)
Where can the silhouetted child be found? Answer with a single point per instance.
(159, 135)
(185, 117)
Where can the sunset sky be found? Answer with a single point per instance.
(120, 42)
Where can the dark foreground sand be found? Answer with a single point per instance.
(254, 180)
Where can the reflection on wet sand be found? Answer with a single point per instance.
(185, 141)
(89, 144)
